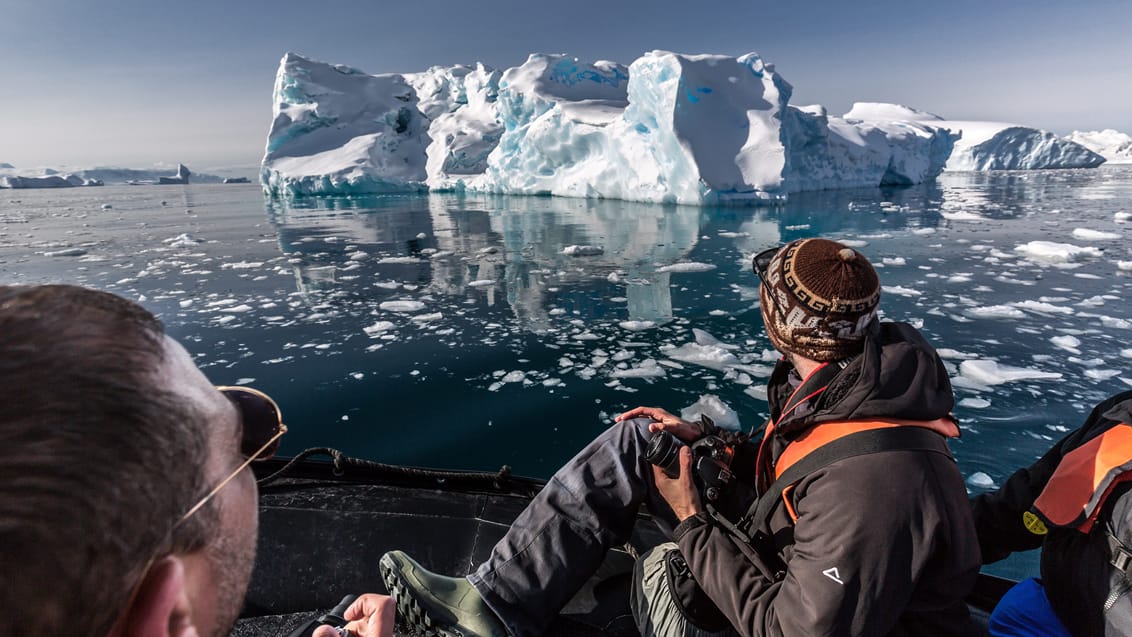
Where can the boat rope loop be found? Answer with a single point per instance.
(343, 464)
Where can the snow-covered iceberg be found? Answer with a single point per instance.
(11, 177)
(668, 128)
(987, 145)
(1114, 146)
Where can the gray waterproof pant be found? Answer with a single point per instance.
(560, 539)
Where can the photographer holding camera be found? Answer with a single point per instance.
(860, 525)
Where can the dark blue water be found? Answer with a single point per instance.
(456, 332)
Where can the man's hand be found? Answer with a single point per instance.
(679, 492)
(370, 615)
(664, 421)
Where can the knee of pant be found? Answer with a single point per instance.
(633, 432)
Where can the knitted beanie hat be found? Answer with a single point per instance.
(818, 297)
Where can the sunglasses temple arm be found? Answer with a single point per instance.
(235, 473)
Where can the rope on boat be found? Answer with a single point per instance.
(343, 464)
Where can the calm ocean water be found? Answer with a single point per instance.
(465, 332)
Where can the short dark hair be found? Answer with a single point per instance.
(97, 461)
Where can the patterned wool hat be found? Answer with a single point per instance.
(818, 297)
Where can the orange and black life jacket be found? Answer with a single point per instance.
(826, 443)
(1084, 478)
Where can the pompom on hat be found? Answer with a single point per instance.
(818, 298)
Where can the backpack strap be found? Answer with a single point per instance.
(870, 441)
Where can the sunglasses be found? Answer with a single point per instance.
(261, 427)
(759, 264)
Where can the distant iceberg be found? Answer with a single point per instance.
(988, 145)
(10, 177)
(182, 177)
(1116, 147)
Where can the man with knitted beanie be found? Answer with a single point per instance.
(871, 536)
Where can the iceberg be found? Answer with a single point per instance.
(10, 177)
(668, 128)
(987, 145)
(182, 176)
(1114, 146)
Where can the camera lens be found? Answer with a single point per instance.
(664, 452)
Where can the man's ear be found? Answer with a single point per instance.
(161, 607)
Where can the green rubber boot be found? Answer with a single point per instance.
(437, 604)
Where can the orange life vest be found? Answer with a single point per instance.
(824, 433)
(1076, 492)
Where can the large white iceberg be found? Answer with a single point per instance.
(987, 145)
(668, 128)
(1114, 146)
(11, 177)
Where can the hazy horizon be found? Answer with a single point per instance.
(143, 85)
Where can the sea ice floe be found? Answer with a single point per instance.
(901, 291)
(67, 252)
(479, 283)
(1051, 252)
(893, 261)
(1067, 343)
(390, 260)
(1126, 353)
(637, 326)
(713, 407)
(995, 312)
(1124, 265)
(1042, 307)
(974, 403)
(583, 251)
(980, 480)
(183, 240)
(647, 369)
(402, 306)
(378, 328)
(1087, 234)
(1102, 374)
(687, 267)
(989, 372)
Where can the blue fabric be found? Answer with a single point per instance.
(1024, 611)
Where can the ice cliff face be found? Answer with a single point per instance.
(987, 145)
(691, 129)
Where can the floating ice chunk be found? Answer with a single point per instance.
(647, 369)
(1050, 252)
(1126, 353)
(975, 403)
(183, 240)
(989, 372)
(242, 265)
(1102, 374)
(238, 309)
(687, 267)
(402, 306)
(960, 215)
(583, 251)
(481, 283)
(516, 376)
(893, 261)
(901, 291)
(980, 480)
(378, 328)
(995, 312)
(185, 302)
(357, 375)
(705, 338)
(1042, 307)
(67, 252)
(358, 255)
(425, 318)
(390, 260)
(713, 407)
(946, 352)
(1124, 265)
(1085, 234)
(1068, 343)
(1122, 217)
(710, 356)
(107, 206)
(1115, 322)
(637, 326)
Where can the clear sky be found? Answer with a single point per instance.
(132, 83)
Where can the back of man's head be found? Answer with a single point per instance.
(97, 459)
(818, 299)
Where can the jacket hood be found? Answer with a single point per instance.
(1121, 412)
(897, 375)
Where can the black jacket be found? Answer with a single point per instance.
(883, 545)
(1074, 566)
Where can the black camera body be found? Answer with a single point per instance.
(711, 462)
